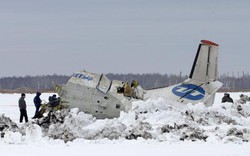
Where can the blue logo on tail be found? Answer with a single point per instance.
(189, 91)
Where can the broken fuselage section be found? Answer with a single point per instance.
(97, 95)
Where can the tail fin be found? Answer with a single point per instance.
(202, 83)
(204, 70)
(205, 63)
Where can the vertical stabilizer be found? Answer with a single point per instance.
(205, 64)
(205, 68)
(202, 83)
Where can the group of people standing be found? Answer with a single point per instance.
(53, 101)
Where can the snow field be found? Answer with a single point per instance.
(150, 128)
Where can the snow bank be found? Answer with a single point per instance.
(33, 133)
(9, 130)
(154, 120)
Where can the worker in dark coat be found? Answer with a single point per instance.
(37, 102)
(22, 108)
(227, 98)
(54, 101)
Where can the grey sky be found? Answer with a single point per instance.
(120, 36)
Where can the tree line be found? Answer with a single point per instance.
(147, 81)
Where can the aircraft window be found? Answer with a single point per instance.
(104, 84)
(118, 106)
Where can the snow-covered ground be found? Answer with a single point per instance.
(151, 128)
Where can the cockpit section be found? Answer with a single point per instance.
(104, 84)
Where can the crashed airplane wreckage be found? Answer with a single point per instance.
(103, 98)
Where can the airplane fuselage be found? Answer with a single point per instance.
(103, 98)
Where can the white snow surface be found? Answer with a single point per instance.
(152, 127)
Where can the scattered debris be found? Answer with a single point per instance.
(222, 122)
(6, 124)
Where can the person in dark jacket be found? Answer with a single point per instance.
(54, 101)
(22, 108)
(227, 98)
(37, 102)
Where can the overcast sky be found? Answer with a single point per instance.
(120, 36)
